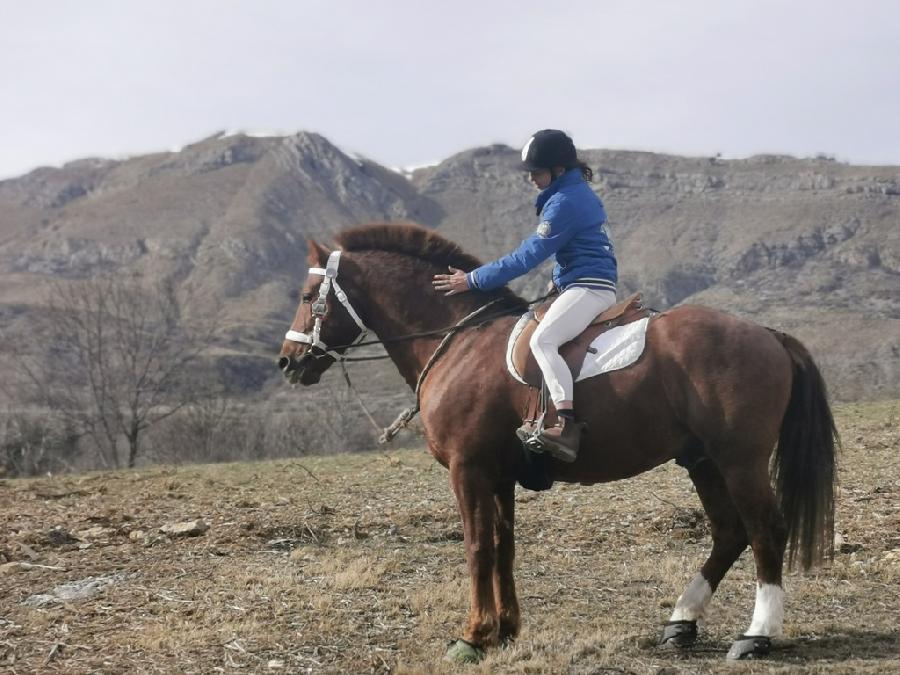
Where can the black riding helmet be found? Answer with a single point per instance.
(548, 148)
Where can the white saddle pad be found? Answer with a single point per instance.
(616, 348)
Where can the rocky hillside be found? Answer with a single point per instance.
(808, 246)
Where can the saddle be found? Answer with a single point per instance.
(522, 360)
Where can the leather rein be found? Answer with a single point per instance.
(318, 349)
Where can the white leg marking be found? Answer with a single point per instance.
(692, 603)
(768, 613)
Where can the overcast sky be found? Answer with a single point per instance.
(412, 82)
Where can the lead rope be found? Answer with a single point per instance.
(359, 399)
(405, 417)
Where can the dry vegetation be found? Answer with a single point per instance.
(354, 564)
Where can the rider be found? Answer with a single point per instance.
(572, 226)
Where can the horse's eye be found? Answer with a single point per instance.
(307, 298)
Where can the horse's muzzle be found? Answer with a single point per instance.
(298, 371)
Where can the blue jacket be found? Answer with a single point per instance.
(573, 226)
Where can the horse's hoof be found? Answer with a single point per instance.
(680, 634)
(460, 651)
(749, 647)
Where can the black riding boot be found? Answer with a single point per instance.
(562, 441)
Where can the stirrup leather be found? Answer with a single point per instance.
(530, 431)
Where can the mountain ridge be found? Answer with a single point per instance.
(806, 245)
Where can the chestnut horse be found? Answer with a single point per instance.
(716, 393)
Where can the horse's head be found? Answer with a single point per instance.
(325, 322)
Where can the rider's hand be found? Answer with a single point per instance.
(451, 284)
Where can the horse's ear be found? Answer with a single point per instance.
(317, 255)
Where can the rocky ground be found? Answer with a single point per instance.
(355, 564)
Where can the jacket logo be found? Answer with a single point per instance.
(543, 229)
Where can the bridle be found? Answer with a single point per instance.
(317, 348)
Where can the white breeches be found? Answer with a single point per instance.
(569, 314)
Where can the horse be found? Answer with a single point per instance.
(721, 396)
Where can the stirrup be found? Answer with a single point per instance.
(531, 439)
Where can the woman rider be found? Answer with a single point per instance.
(573, 227)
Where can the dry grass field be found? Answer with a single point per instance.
(354, 564)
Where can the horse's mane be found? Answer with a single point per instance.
(407, 238)
(416, 241)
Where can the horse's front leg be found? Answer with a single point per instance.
(475, 498)
(505, 545)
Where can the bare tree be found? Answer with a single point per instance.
(201, 432)
(115, 358)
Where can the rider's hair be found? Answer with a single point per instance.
(586, 172)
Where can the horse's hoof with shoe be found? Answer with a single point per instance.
(749, 647)
(679, 634)
(460, 651)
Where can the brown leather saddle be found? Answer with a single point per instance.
(629, 310)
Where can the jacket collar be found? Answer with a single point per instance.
(570, 177)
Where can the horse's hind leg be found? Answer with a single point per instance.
(729, 540)
(751, 491)
(504, 582)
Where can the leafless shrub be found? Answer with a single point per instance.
(35, 444)
(195, 434)
(222, 430)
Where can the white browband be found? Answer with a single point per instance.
(330, 272)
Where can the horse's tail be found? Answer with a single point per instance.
(804, 465)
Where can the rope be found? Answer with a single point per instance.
(359, 399)
(405, 417)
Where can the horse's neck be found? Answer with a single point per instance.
(402, 302)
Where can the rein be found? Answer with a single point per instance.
(319, 310)
(405, 417)
(449, 330)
